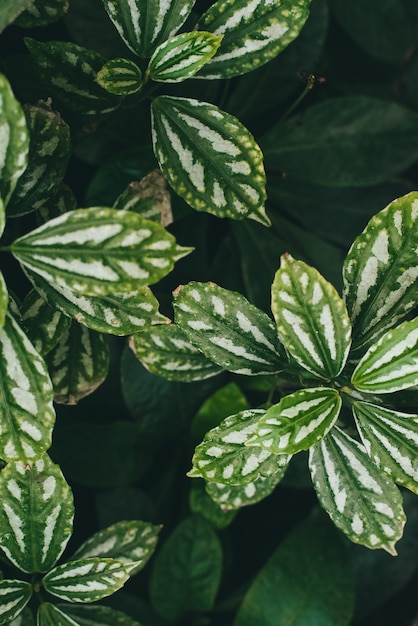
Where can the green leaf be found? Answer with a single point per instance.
(36, 514)
(99, 251)
(253, 33)
(144, 27)
(181, 57)
(187, 570)
(132, 542)
(78, 364)
(391, 440)
(25, 618)
(311, 318)
(226, 401)
(14, 594)
(120, 76)
(209, 158)
(359, 499)
(87, 615)
(44, 325)
(63, 201)
(51, 615)
(391, 364)
(300, 420)
(49, 152)
(69, 72)
(150, 197)
(42, 13)
(14, 139)
(2, 217)
(9, 11)
(3, 301)
(381, 270)
(200, 502)
(165, 351)
(86, 580)
(26, 412)
(229, 330)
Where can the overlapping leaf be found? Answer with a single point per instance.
(299, 421)
(26, 412)
(51, 615)
(150, 197)
(391, 364)
(200, 502)
(9, 11)
(14, 596)
(165, 350)
(97, 615)
(25, 618)
(360, 500)
(391, 440)
(209, 158)
(99, 251)
(2, 216)
(228, 329)
(381, 271)
(311, 318)
(36, 514)
(121, 77)
(42, 13)
(3, 301)
(254, 32)
(44, 325)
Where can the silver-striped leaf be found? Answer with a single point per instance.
(120, 76)
(14, 138)
(27, 415)
(391, 364)
(391, 441)
(14, 596)
(165, 350)
(99, 251)
(78, 364)
(150, 197)
(223, 457)
(143, 26)
(44, 325)
(4, 299)
(182, 56)
(229, 330)
(209, 158)
(360, 500)
(42, 13)
(381, 270)
(311, 318)
(97, 615)
(254, 32)
(86, 580)
(50, 615)
(132, 542)
(36, 514)
(49, 152)
(69, 72)
(300, 420)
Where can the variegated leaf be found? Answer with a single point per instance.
(2, 216)
(3, 301)
(9, 11)
(165, 351)
(150, 197)
(254, 32)
(14, 596)
(27, 415)
(49, 152)
(181, 57)
(300, 420)
(44, 325)
(311, 318)
(360, 500)
(209, 158)
(42, 13)
(132, 542)
(86, 580)
(97, 615)
(228, 329)
(381, 270)
(223, 457)
(63, 201)
(391, 441)
(51, 615)
(14, 140)
(78, 364)
(121, 77)
(144, 26)
(36, 514)
(99, 251)
(391, 364)
(69, 72)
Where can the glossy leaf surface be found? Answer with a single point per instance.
(14, 596)
(50, 615)
(44, 325)
(121, 77)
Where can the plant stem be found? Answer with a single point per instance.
(309, 85)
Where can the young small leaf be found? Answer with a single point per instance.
(121, 77)
(165, 351)
(311, 318)
(360, 500)
(391, 440)
(97, 615)
(391, 364)
(14, 596)
(209, 158)
(99, 251)
(44, 325)
(181, 57)
(36, 514)
(51, 615)
(300, 420)
(381, 270)
(253, 33)
(42, 13)
(229, 330)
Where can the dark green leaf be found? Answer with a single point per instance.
(14, 594)
(121, 77)
(149, 197)
(87, 615)
(226, 401)
(10, 9)
(200, 502)
(25, 618)
(51, 615)
(4, 299)
(44, 325)
(42, 13)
